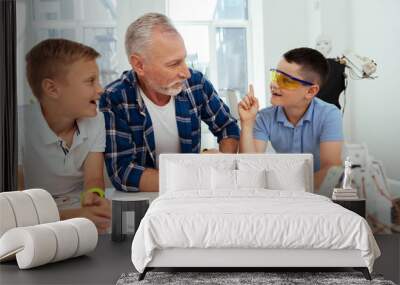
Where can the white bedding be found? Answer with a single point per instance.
(252, 218)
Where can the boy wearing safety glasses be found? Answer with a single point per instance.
(297, 121)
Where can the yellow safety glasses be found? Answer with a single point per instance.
(286, 81)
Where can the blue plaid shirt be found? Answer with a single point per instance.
(130, 144)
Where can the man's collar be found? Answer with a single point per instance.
(130, 77)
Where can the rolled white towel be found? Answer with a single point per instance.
(7, 217)
(33, 246)
(87, 235)
(40, 244)
(26, 208)
(46, 207)
(23, 208)
(66, 238)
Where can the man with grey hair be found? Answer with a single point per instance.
(157, 107)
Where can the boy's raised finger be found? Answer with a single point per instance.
(251, 91)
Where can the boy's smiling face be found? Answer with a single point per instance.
(299, 97)
(79, 89)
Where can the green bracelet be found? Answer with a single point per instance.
(96, 190)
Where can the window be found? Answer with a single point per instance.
(92, 22)
(216, 35)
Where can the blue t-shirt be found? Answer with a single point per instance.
(322, 122)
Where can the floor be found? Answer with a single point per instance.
(389, 262)
(94, 268)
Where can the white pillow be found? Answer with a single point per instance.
(292, 179)
(188, 177)
(226, 179)
(251, 178)
(223, 179)
(281, 174)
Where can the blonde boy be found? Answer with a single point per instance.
(63, 138)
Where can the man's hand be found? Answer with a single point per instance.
(248, 107)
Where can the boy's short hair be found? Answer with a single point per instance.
(51, 57)
(314, 66)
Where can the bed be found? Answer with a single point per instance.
(247, 211)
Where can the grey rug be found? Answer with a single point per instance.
(230, 278)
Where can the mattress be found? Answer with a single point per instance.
(251, 218)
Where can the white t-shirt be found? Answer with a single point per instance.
(165, 128)
(46, 162)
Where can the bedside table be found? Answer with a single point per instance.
(128, 209)
(356, 205)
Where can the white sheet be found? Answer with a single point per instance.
(253, 218)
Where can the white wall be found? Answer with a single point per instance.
(375, 104)
(257, 47)
(370, 28)
(335, 24)
(129, 11)
(285, 27)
